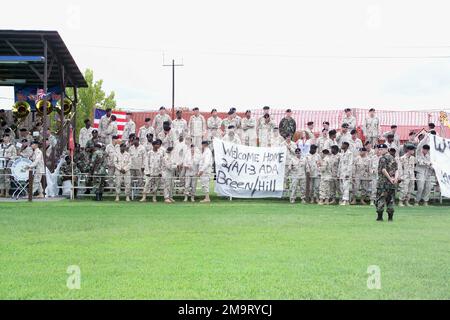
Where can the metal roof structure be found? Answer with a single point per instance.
(44, 44)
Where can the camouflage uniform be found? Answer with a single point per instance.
(345, 173)
(265, 131)
(371, 129)
(214, 131)
(325, 178)
(9, 152)
(406, 175)
(122, 162)
(153, 167)
(158, 122)
(298, 178)
(424, 171)
(287, 127)
(137, 155)
(313, 170)
(334, 182)
(249, 137)
(98, 169)
(361, 174)
(168, 173)
(385, 189)
(374, 161)
(111, 151)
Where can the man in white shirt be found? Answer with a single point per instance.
(85, 133)
(38, 165)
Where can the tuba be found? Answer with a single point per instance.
(67, 107)
(21, 109)
(41, 104)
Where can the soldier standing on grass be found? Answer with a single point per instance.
(98, 170)
(387, 181)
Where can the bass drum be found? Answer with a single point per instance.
(18, 170)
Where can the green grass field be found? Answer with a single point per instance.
(265, 249)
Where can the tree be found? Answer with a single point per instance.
(90, 98)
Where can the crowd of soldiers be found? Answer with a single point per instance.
(334, 167)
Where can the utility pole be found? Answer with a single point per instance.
(173, 65)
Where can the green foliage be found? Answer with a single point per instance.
(265, 249)
(89, 98)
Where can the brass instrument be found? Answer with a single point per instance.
(21, 109)
(67, 107)
(41, 104)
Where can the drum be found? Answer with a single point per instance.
(18, 170)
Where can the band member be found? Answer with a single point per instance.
(8, 153)
(25, 150)
(38, 166)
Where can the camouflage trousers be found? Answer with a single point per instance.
(168, 184)
(298, 183)
(204, 182)
(406, 189)
(345, 185)
(423, 187)
(314, 185)
(385, 199)
(373, 189)
(5, 179)
(111, 175)
(335, 189)
(98, 183)
(152, 185)
(324, 189)
(136, 175)
(126, 179)
(190, 185)
(361, 187)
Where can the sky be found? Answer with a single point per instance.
(247, 53)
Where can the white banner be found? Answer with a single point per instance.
(440, 158)
(249, 172)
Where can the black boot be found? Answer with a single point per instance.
(101, 196)
(390, 216)
(380, 216)
(97, 196)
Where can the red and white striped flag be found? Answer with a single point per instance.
(120, 115)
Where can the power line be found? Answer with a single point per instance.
(346, 57)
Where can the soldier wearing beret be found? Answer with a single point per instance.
(387, 181)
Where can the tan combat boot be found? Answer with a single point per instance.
(144, 197)
(401, 204)
(127, 199)
(117, 199)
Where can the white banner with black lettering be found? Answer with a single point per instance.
(249, 172)
(440, 158)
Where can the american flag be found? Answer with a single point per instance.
(120, 115)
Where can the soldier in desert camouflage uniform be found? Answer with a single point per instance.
(325, 177)
(298, 176)
(361, 177)
(406, 172)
